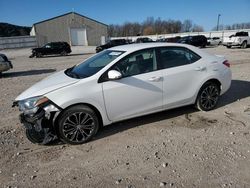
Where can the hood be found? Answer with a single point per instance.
(49, 84)
(36, 49)
(102, 46)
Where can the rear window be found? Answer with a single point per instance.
(177, 56)
(241, 34)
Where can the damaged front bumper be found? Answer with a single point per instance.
(40, 126)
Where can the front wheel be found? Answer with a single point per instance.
(208, 96)
(38, 55)
(77, 124)
(244, 45)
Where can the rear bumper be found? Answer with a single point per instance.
(226, 81)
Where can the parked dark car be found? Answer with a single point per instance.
(111, 43)
(52, 48)
(198, 40)
(170, 39)
(143, 40)
(5, 64)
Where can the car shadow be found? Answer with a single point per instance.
(143, 120)
(212, 46)
(239, 89)
(69, 55)
(27, 73)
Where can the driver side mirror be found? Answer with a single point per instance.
(114, 75)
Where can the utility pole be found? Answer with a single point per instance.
(218, 21)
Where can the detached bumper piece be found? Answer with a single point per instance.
(39, 129)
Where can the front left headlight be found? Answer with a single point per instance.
(31, 105)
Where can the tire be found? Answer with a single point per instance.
(77, 125)
(38, 54)
(31, 56)
(229, 46)
(34, 136)
(64, 53)
(244, 45)
(208, 96)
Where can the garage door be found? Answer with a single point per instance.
(78, 37)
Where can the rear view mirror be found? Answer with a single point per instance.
(114, 75)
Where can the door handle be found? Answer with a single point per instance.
(200, 68)
(155, 79)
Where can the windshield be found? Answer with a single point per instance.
(92, 65)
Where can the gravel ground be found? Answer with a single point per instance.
(176, 148)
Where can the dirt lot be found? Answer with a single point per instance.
(175, 148)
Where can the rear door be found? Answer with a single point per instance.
(182, 70)
(139, 91)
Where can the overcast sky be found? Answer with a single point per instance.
(201, 12)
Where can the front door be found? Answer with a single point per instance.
(139, 91)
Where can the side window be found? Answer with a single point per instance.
(176, 56)
(137, 63)
(1, 59)
(48, 45)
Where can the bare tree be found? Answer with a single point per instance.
(197, 28)
(187, 26)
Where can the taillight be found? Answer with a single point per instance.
(226, 63)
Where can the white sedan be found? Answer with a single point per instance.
(214, 41)
(121, 83)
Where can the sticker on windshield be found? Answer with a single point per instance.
(115, 53)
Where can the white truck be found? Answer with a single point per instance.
(241, 39)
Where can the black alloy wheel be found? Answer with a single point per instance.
(78, 125)
(208, 97)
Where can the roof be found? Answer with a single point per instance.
(140, 46)
(68, 14)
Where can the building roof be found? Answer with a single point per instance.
(68, 14)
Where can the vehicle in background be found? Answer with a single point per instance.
(173, 39)
(161, 40)
(214, 41)
(240, 39)
(143, 40)
(111, 43)
(197, 40)
(52, 48)
(170, 39)
(5, 64)
(120, 83)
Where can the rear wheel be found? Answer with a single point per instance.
(208, 96)
(78, 124)
(229, 46)
(63, 53)
(244, 44)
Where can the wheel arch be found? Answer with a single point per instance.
(213, 80)
(98, 113)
